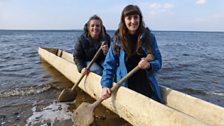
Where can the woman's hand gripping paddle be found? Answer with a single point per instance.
(69, 94)
(84, 114)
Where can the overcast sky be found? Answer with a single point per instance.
(178, 15)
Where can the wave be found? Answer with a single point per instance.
(201, 92)
(217, 93)
(24, 91)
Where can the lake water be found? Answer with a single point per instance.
(192, 63)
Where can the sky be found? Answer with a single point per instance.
(164, 15)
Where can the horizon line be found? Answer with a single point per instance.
(107, 30)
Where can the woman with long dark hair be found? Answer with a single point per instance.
(131, 44)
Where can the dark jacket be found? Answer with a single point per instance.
(115, 63)
(86, 48)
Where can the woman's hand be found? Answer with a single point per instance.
(144, 64)
(104, 48)
(84, 71)
(106, 93)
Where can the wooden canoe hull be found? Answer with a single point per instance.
(180, 109)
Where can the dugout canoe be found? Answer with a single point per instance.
(179, 110)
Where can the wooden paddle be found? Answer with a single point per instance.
(84, 114)
(70, 94)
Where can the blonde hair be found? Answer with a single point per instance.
(102, 30)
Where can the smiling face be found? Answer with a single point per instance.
(132, 23)
(94, 28)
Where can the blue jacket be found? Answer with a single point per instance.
(115, 63)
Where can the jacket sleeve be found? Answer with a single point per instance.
(78, 56)
(155, 64)
(110, 66)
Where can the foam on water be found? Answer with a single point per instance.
(217, 93)
(22, 91)
(55, 112)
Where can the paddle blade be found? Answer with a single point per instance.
(67, 95)
(83, 115)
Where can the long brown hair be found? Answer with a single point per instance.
(122, 31)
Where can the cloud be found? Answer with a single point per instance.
(161, 6)
(156, 8)
(201, 2)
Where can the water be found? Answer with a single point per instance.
(192, 63)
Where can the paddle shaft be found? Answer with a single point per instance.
(116, 86)
(88, 67)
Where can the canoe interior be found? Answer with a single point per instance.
(60, 53)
